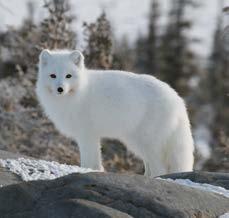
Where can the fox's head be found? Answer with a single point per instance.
(60, 71)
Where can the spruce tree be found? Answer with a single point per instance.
(147, 47)
(152, 60)
(98, 52)
(176, 65)
(56, 32)
(217, 86)
(124, 55)
(21, 43)
(141, 55)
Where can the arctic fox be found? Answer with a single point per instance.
(143, 112)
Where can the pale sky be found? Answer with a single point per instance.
(128, 17)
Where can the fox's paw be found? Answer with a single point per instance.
(102, 170)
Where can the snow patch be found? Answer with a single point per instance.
(226, 215)
(201, 186)
(29, 169)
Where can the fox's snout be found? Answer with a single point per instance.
(60, 90)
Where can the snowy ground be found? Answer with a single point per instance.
(226, 215)
(29, 169)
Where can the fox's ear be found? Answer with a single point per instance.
(78, 58)
(44, 57)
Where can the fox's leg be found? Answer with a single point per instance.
(151, 154)
(156, 167)
(90, 153)
(147, 168)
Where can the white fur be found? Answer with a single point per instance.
(143, 112)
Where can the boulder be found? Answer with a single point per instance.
(7, 177)
(107, 195)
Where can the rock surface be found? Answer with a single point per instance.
(109, 195)
(6, 177)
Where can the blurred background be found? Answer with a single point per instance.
(178, 41)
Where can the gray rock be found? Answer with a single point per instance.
(7, 177)
(2, 147)
(72, 208)
(107, 195)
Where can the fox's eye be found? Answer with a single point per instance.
(53, 76)
(68, 76)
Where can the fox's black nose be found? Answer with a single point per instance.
(60, 90)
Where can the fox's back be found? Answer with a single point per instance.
(131, 91)
(124, 99)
